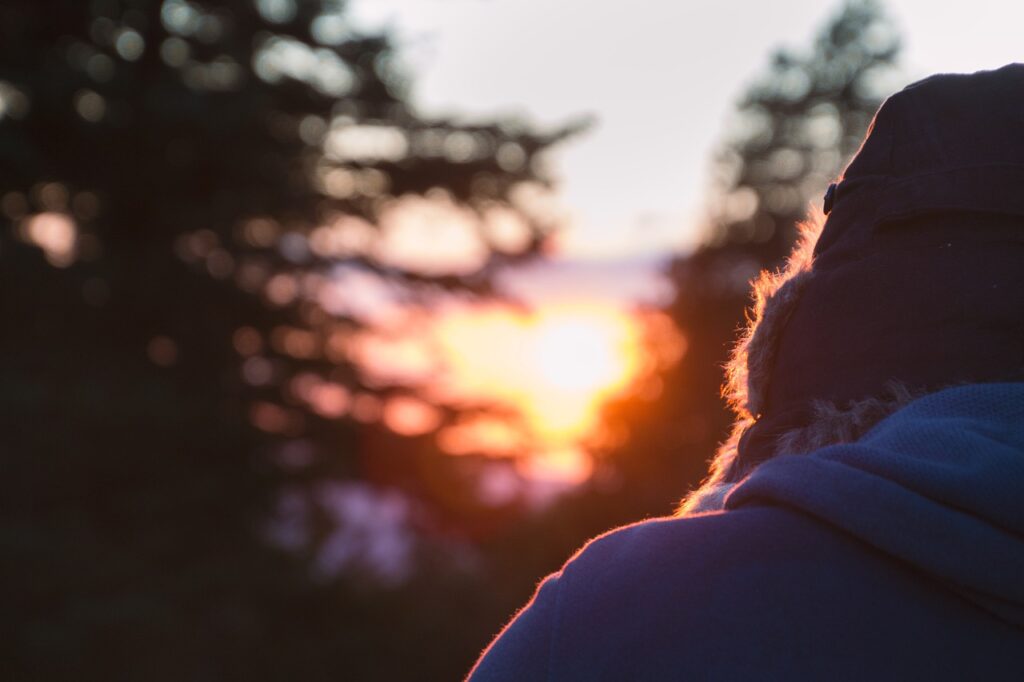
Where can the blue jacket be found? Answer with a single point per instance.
(899, 557)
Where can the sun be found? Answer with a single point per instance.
(580, 351)
(556, 366)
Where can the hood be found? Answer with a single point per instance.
(938, 485)
(917, 276)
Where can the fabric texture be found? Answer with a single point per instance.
(897, 557)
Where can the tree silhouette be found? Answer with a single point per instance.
(795, 127)
(179, 183)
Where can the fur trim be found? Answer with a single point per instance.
(711, 493)
(775, 296)
(830, 425)
(749, 367)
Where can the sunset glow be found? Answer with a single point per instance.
(527, 384)
(555, 367)
(580, 353)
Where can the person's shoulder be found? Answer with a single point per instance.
(696, 542)
(675, 594)
(748, 561)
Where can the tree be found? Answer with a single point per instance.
(795, 127)
(179, 183)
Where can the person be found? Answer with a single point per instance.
(866, 519)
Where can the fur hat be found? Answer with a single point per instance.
(915, 280)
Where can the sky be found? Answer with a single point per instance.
(658, 77)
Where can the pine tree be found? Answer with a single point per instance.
(179, 182)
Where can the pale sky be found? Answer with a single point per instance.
(658, 75)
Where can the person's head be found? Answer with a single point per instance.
(910, 281)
